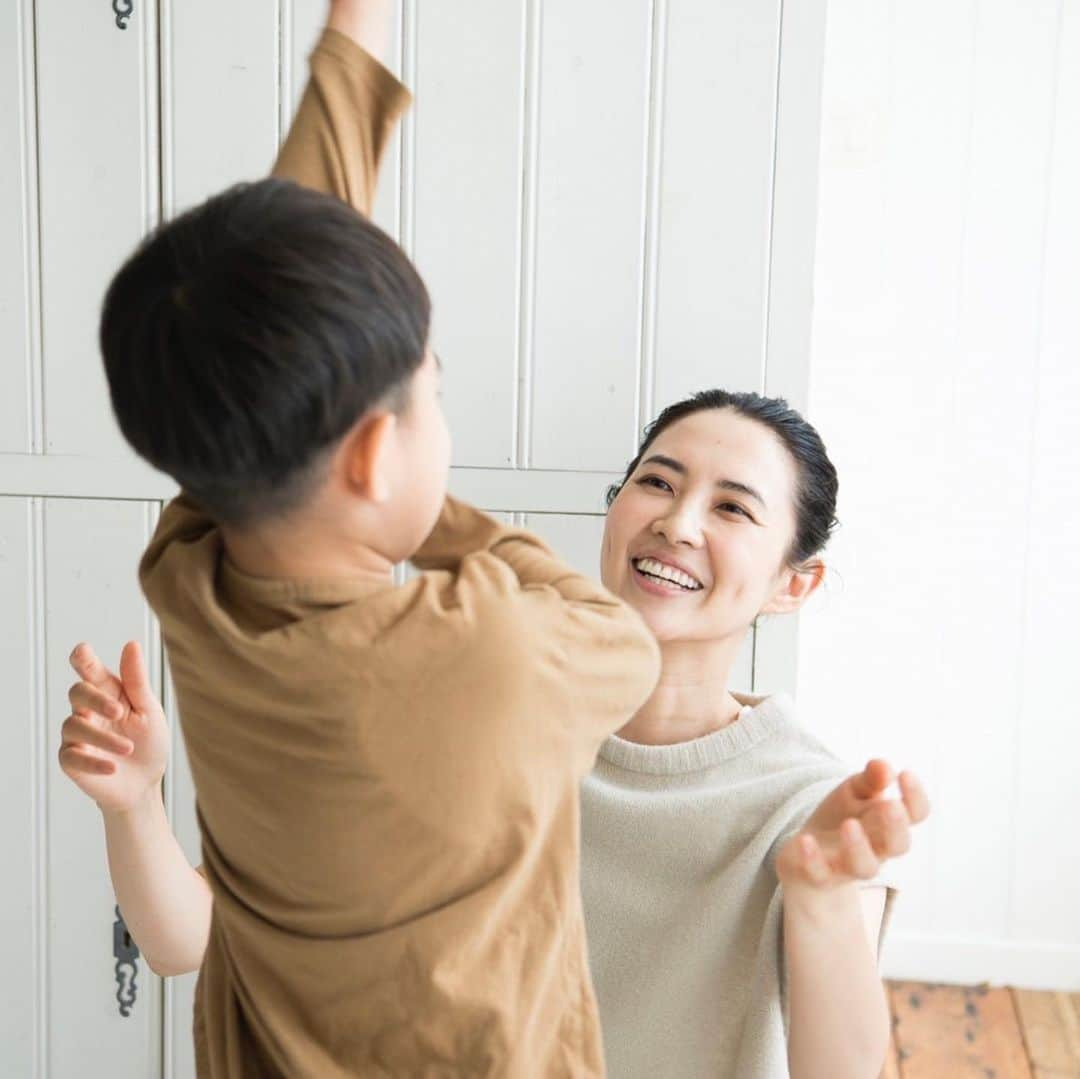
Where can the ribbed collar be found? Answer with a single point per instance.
(759, 719)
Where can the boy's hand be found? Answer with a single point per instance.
(853, 831)
(115, 744)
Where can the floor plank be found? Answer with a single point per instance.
(952, 1032)
(1048, 1024)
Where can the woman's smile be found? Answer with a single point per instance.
(663, 577)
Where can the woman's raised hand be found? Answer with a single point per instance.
(854, 830)
(115, 744)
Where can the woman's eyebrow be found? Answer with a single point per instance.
(667, 462)
(728, 485)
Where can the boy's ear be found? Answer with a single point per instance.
(368, 456)
(797, 586)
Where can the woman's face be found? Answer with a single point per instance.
(697, 539)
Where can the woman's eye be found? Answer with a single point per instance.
(732, 507)
(654, 481)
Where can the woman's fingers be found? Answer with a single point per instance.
(79, 761)
(79, 730)
(812, 861)
(85, 697)
(914, 795)
(857, 857)
(887, 826)
(872, 780)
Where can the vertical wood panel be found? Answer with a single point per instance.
(91, 593)
(98, 174)
(19, 772)
(716, 196)
(220, 95)
(18, 231)
(467, 207)
(593, 110)
(1046, 888)
(303, 21)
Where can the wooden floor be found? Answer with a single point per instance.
(949, 1032)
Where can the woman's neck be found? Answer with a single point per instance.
(691, 698)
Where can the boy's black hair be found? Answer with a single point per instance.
(244, 338)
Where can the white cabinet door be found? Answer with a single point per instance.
(592, 91)
(98, 154)
(715, 126)
(220, 97)
(466, 220)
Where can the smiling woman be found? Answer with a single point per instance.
(730, 871)
(731, 497)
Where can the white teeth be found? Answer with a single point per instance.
(667, 573)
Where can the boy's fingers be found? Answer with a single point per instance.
(85, 697)
(80, 731)
(858, 858)
(78, 761)
(90, 669)
(872, 780)
(136, 679)
(914, 795)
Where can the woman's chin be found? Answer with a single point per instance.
(664, 628)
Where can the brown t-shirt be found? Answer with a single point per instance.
(387, 777)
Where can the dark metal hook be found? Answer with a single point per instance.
(126, 954)
(123, 10)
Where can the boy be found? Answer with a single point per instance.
(387, 777)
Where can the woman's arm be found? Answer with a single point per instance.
(839, 1016)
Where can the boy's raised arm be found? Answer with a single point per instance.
(349, 107)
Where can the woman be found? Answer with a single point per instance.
(704, 811)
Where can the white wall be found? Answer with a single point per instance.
(945, 376)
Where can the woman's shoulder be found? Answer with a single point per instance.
(792, 745)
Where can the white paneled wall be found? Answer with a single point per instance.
(944, 375)
(590, 188)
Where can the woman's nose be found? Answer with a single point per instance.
(681, 526)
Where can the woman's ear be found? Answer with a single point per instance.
(796, 587)
(368, 456)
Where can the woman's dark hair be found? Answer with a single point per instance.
(817, 484)
(244, 338)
